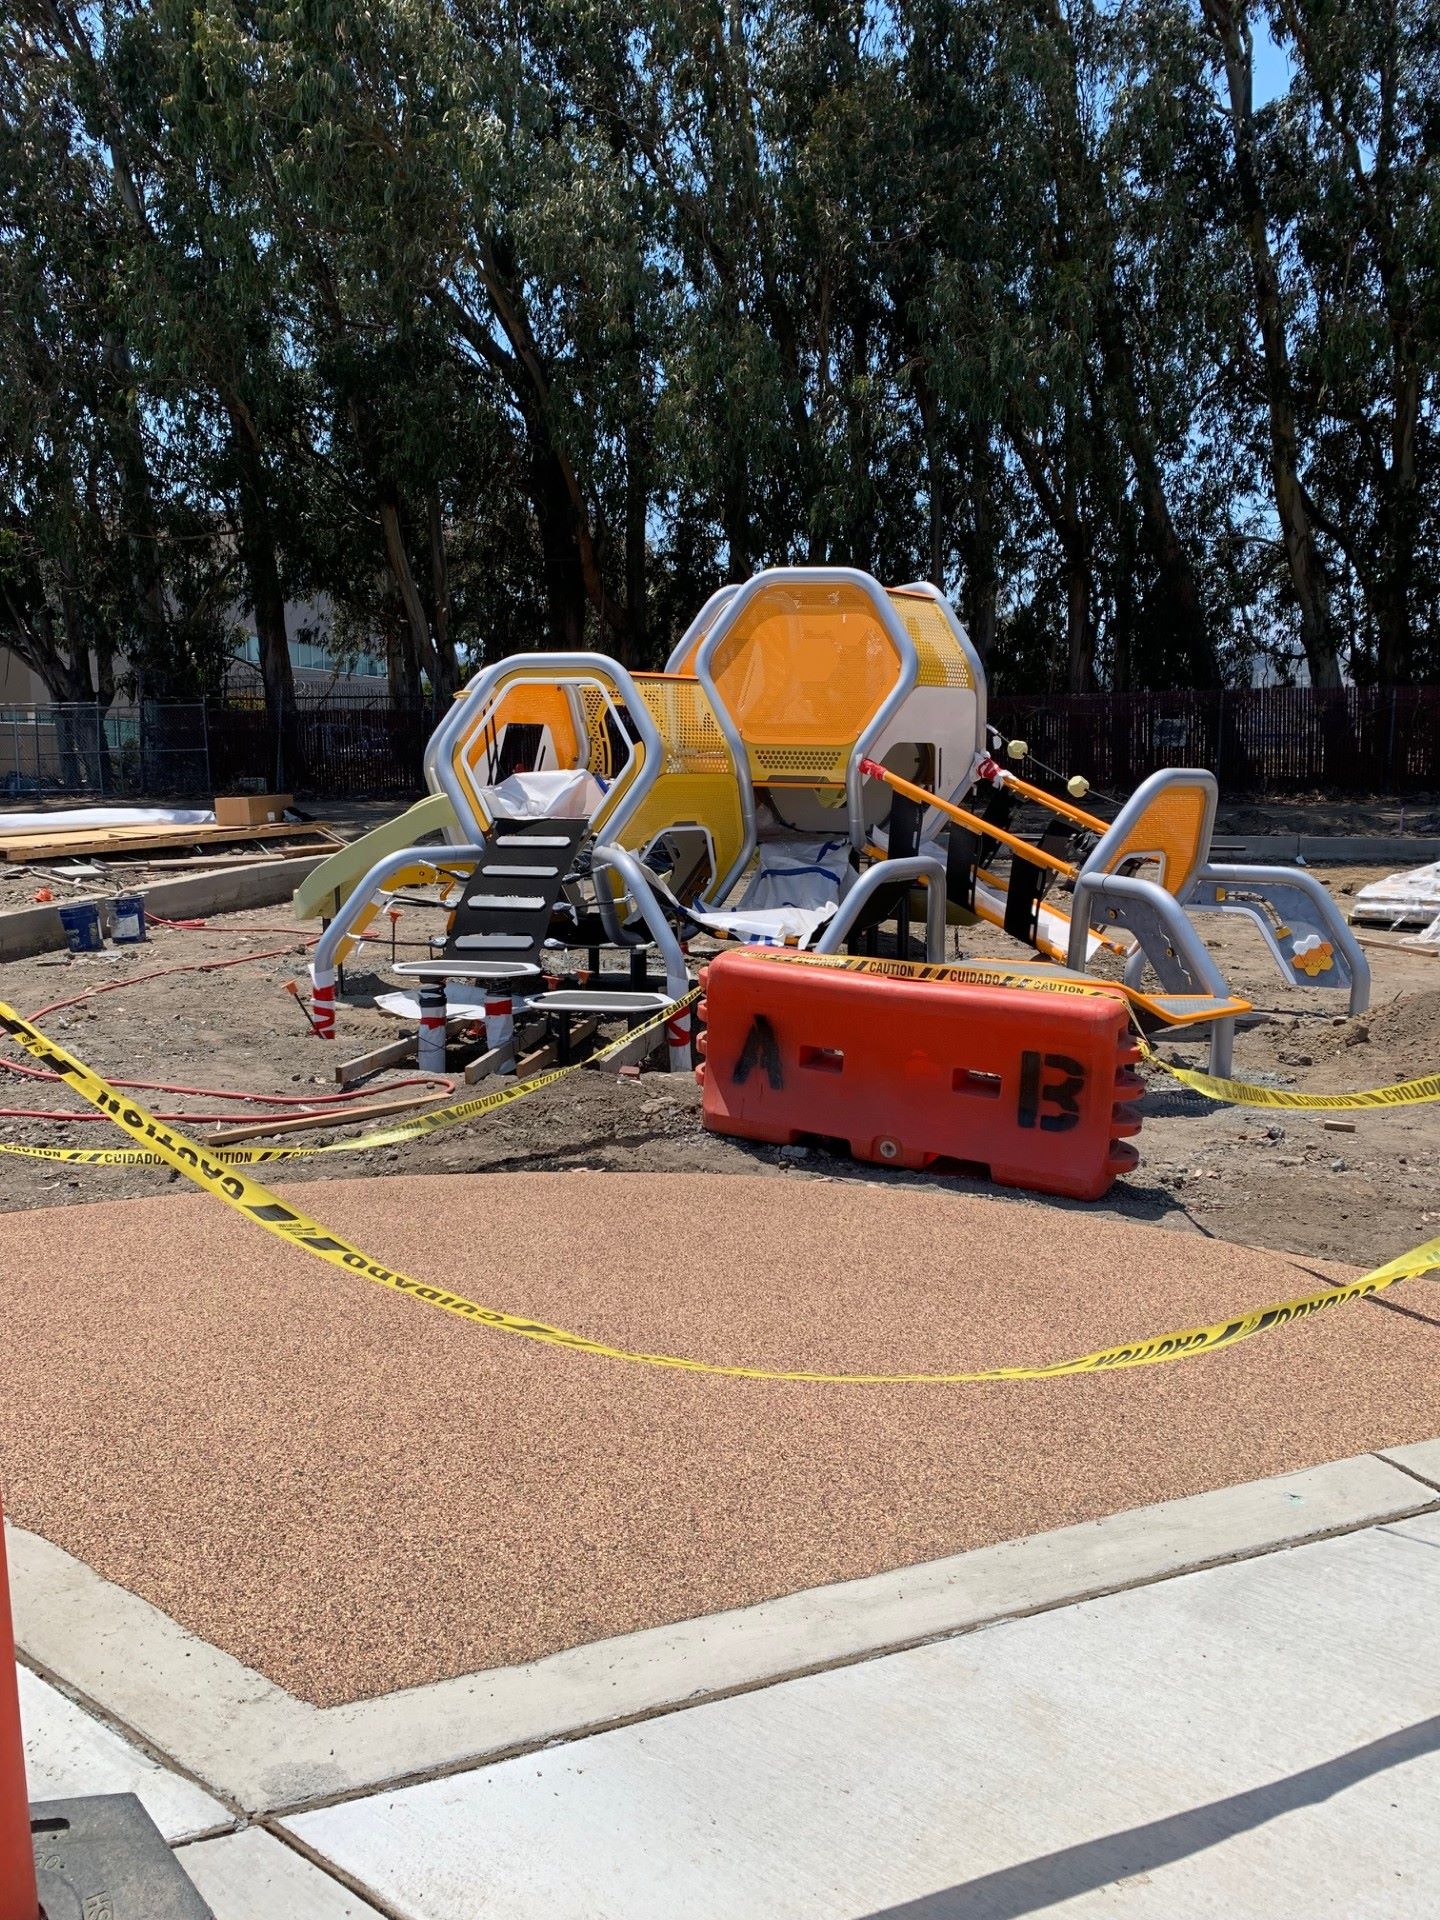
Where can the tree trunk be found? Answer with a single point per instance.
(1400, 533)
(1087, 231)
(637, 501)
(402, 669)
(447, 664)
(735, 513)
(141, 537)
(403, 575)
(1307, 574)
(560, 553)
(982, 578)
(928, 407)
(267, 599)
(1079, 629)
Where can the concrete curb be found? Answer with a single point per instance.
(1331, 849)
(269, 1752)
(27, 930)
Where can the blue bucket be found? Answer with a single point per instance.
(127, 919)
(82, 927)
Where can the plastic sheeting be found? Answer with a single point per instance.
(98, 819)
(1410, 899)
(543, 796)
(800, 873)
(797, 888)
(771, 926)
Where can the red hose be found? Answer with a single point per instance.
(265, 1099)
(190, 1119)
(309, 1101)
(160, 973)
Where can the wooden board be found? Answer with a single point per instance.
(143, 839)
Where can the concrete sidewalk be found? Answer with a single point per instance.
(1259, 1737)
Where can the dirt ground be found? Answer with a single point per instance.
(1286, 1181)
(1376, 817)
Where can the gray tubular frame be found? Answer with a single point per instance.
(924, 868)
(1117, 833)
(606, 854)
(322, 961)
(1186, 966)
(707, 613)
(571, 669)
(895, 632)
(1329, 916)
(967, 647)
(1128, 818)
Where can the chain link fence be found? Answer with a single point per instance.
(104, 753)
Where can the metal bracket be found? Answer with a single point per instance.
(104, 1855)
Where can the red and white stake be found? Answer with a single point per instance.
(322, 1005)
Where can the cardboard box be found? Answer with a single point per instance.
(250, 809)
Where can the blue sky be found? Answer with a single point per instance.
(1272, 69)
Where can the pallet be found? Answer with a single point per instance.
(120, 841)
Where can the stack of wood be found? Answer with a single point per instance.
(251, 821)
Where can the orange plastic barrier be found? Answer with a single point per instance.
(19, 1899)
(1030, 1086)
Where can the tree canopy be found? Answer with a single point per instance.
(512, 324)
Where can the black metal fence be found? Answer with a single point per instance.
(345, 749)
(1354, 740)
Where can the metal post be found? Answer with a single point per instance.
(1390, 740)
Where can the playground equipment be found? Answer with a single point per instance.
(1164, 828)
(1033, 1088)
(826, 736)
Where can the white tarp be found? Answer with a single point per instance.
(796, 889)
(98, 819)
(799, 873)
(1409, 899)
(771, 926)
(543, 796)
(460, 998)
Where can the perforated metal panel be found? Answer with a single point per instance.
(686, 724)
(1172, 830)
(941, 661)
(600, 755)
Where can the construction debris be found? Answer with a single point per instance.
(42, 842)
(1410, 899)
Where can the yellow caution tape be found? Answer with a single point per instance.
(1245, 1093)
(416, 1129)
(962, 972)
(254, 1202)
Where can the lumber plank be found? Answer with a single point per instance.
(333, 1117)
(390, 1055)
(122, 840)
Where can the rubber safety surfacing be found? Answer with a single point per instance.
(236, 1189)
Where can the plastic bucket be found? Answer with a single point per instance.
(127, 919)
(82, 927)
